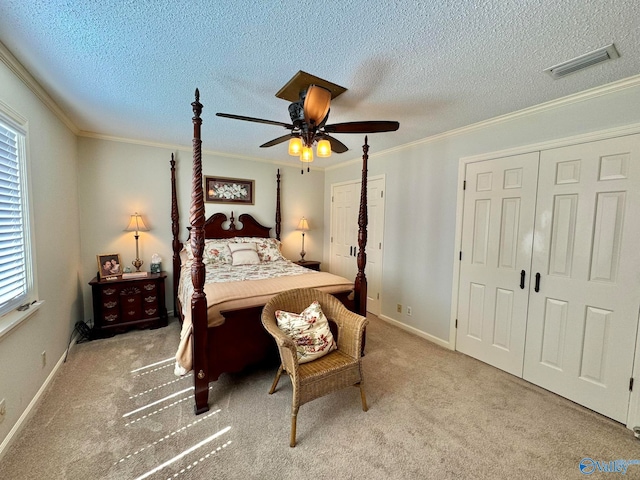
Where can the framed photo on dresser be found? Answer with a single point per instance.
(109, 264)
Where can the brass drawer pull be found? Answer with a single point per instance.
(150, 299)
(110, 304)
(151, 311)
(110, 318)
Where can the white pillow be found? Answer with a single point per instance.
(309, 330)
(244, 254)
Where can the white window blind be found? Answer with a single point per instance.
(14, 281)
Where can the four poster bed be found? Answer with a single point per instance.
(221, 326)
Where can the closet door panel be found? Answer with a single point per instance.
(582, 321)
(497, 232)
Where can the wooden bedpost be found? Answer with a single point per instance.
(278, 214)
(175, 230)
(199, 299)
(360, 286)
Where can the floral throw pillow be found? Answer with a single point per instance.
(309, 330)
(216, 252)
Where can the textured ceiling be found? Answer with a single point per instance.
(129, 68)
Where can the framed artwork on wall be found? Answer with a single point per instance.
(229, 190)
(109, 264)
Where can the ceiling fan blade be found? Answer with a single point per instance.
(336, 145)
(278, 140)
(316, 104)
(374, 126)
(257, 120)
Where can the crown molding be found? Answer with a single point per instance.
(23, 74)
(589, 94)
(184, 148)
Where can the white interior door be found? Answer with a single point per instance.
(581, 329)
(497, 230)
(344, 218)
(345, 209)
(375, 233)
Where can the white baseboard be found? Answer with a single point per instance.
(26, 415)
(415, 331)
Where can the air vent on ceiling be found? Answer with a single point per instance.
(583, 61)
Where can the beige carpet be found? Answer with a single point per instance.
(110, 413)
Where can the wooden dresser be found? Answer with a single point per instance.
(122, 304)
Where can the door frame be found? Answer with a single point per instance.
(633, 417)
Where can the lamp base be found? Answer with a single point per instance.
(137, 263)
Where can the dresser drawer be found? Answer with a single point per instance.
(111, 315)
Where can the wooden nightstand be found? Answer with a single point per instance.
(311, 264)
(119, 305)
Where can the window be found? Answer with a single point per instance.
(16, 280)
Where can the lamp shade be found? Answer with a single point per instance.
(303, 225)
(323, 149)
(295, 146)
(136, 224)
(306, 155)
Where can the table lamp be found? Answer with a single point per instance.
(303, 226)
(136, 224)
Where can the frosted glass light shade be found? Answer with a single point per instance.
(295, 147)
(306, 155)
(323, 149)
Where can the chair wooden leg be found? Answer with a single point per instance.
(364, 398)
(276, 380)
(294, 416)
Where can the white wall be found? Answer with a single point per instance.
(53, 165)
(117, 178)
(421, 189)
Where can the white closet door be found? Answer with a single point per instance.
(345, 209)
(344, 230)
(582, 322)
(375, 233)
(497, 230)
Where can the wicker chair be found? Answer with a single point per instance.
(338, 369)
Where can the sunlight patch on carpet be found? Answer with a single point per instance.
(166, 407)
(201, 459)
(153, 364)
(158, 387)
(185, 453)
(153, 404)
(167, 437)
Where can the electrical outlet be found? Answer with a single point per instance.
(44, 358)
(3, 409)
(408, 311)
(399, 308)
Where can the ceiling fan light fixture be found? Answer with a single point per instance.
(323, 149)
(295, 147)
(306, 155)
(316, 104)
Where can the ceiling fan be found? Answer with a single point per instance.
(311, 98)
